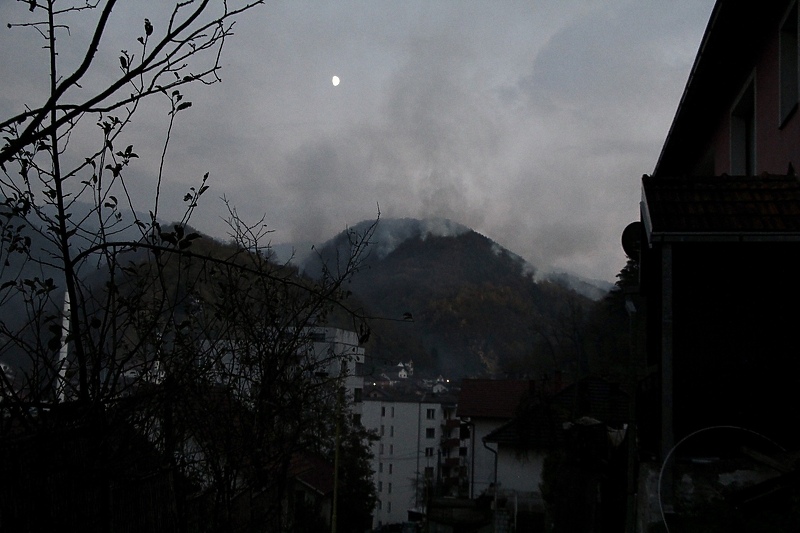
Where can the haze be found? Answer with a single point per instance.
(530, 122)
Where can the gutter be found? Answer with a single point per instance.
(720, 236)
(471, 426)
(495, 471)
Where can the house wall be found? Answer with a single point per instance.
(734, 336)
(776, 144)
(402, 454)
(481, 461)
(521, 472)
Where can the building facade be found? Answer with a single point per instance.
(407, 456)
(483, 406)
(719, 238)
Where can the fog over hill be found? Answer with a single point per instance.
(476, 306)
(390, 233)
(452, 300)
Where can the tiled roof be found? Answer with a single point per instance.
(405, 392)
(595, 398)
(313, 471)
(537, 429)
(763, 207)
(541, 424)
(491, 398)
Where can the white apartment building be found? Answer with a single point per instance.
(334, 353)
(345, 360)
(407, 456)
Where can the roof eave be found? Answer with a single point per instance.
(669, 237)
(712, 21)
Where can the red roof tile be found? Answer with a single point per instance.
(723, 205)
(491, 398)
(312, 470)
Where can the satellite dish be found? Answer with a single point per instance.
(632, 240)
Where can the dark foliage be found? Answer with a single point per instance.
(477, 308)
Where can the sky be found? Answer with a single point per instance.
(531, 122)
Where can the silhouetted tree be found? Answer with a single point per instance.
(357, 495)
(116, 320)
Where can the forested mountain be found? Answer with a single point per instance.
(458, 304)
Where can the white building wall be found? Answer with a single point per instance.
(345, 359)
(481, 460)
(519, 472)
(408, 445)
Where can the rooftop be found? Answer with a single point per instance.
(313, 471)
(492, 398)
(766, 207)
(540, 424)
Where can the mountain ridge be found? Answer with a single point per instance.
(392, 231)
(476, 306)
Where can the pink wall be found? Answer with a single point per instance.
(775, 146)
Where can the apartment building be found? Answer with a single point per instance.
(410, 422)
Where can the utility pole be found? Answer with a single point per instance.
(336, 452)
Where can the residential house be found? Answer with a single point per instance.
(483, 406)
(719, 239)
(586, 424)
(309, 498)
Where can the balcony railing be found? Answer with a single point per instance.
(452, 423)
(450, 443)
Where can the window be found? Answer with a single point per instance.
(430, 433)
(428, 452)
(390, 468)
(356, 419)
(380, 506)
(389, 507)
(788, 45)
(380, 486)
(391, 431)
(391, 449)
(389, 488)
(357, 395)
(462, 451)
(392, 412)
(383, 411)
(430, 414)
(380, 448)
(382, 430)
(429, 472)
(743, 132)
(380, 467)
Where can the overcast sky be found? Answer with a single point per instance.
(530, 122)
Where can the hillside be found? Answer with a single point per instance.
(476, 308)
(446, 297)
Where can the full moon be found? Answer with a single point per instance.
(335, 81)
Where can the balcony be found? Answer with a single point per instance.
(450, 443)
(452, 423)
(452, 461)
